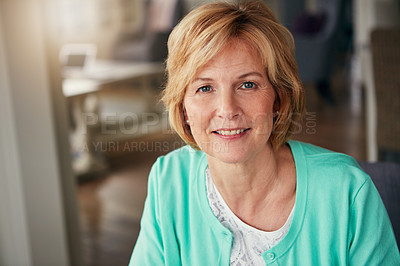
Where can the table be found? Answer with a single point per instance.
(80, 86)
(78, 81)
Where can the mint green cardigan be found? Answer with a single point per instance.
(339, 218)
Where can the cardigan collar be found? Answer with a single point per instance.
(286, 243)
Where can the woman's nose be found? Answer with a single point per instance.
(228, 107)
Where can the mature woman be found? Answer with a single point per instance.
(241, 192)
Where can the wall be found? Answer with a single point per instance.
(33, 229)
(95, 21)
(102, 21)
(14, 248)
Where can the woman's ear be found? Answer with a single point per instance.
(276, 107)
(185, 117)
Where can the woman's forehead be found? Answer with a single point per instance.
(235, 53)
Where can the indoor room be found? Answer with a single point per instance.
(83, 122)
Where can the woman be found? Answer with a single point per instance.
(242, 193)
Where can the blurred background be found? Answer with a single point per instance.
(81, 121)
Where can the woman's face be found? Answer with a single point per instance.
(230, 105)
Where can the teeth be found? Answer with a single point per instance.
(230, 132)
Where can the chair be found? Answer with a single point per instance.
(316, 39)
(385, 48)
(289, 11)
(386, 177)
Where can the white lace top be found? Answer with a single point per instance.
(249, 243)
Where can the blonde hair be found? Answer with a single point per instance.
(207, 30)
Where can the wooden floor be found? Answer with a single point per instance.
(111, 205)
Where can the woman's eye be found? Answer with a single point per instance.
(204, 89)
(248, 85)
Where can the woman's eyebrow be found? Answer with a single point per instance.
(251, 74)
(200, 79)
(254, 73)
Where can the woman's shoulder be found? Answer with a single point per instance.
(179, 164)
(334, 166)
(311, 150)
(181, 156)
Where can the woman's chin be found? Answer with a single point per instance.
(235, 153)
(229, 155)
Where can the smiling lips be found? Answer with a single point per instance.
(232, 132)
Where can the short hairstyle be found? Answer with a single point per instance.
(207, 30)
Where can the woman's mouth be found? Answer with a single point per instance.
(230, 132)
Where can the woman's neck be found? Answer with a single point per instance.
(249, 185)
